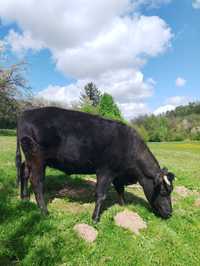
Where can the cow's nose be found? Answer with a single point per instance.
(166, 215)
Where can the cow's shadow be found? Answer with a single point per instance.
(80, 190)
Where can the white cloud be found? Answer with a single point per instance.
(164, 109)
(92, 41)
(2, 46)
(63, 24)
(22, 42)
(177, 100)
(196, 3)
(65, 94)
(121, 45)
(131, 110)
(180, 82)
(171, 103)
(127, 86)
(87, 39)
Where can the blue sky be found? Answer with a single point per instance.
(144, 52)
(183, 58)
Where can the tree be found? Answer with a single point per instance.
(108, 108)
(13, 88)
(91, 95)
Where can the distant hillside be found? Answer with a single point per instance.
(181, 124)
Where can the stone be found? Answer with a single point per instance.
(130, 220)
(87, 232)
(182, 191)
(197, 203)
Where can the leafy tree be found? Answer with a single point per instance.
(91, 95)
(87, 107)
(177, 125)
(13, 88)
(108, 108)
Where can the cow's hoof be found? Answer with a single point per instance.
(122, 203)
(95, 220)
(45, 212)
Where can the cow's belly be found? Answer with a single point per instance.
(72, 167)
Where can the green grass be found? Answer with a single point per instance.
(28, 238)
(7, 132)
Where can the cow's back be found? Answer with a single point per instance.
(75, 142)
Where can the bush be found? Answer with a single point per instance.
(7, 132)
(108, 108)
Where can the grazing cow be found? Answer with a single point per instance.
(81, 143)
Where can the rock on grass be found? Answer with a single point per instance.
(182, 191)
(197, 203)
(87, 232)
(130, 220)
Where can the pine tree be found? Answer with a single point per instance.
(91, 95)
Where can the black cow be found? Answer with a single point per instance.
(81, 143)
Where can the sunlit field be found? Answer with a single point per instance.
(29, 238)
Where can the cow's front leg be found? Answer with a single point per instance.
(37, 179)
(120, 191)
(103, 183)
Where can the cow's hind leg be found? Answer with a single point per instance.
(25, 173)
(35, 161)
(37, 180)
(103, 183)
(120, 191)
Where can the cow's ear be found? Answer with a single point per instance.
(170, 176)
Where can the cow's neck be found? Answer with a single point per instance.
(147, 163)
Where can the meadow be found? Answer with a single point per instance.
(29, 238)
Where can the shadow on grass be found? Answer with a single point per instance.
(18, 220)
(77, 189)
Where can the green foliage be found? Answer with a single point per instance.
(87, 107)
(12, 88)
(181, 111)
(91, 94)
(95, 103)
(7, 132)
(8, 111)
(108, 108)
(178, 125)
(157, 128)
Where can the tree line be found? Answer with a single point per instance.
(16, 96)
(183, 123)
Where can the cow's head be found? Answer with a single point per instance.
(158, 192)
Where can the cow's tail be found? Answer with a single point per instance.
(18, 159)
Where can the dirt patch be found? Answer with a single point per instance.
(90, 181)
(182, 191)
(75, 208)
(71, 192)
(87, 232)
(197, 203)
(130, 220)
(174, 199)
